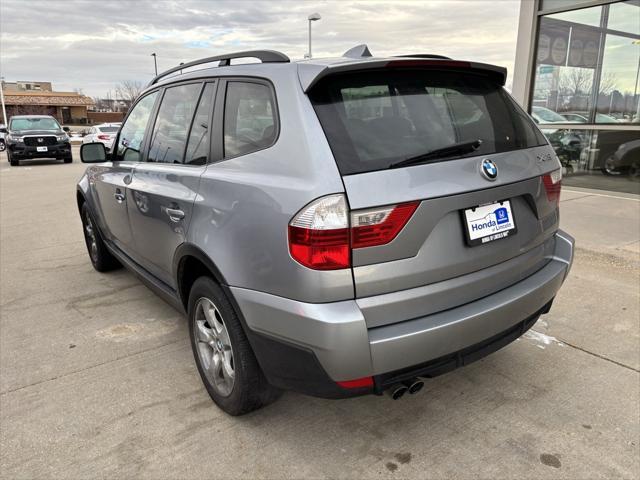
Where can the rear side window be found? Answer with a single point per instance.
(170, 131)
(250, 122)
(373, 120)
(132, 133)
(198, 145)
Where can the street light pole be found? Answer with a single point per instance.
(312, 18)
(155, 63)
(4, 111)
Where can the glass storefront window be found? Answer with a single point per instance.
(601, 159)
(587, 73)
(618, 90)
(625, 17)
(586, 16)
(557, 4)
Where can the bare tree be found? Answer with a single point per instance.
(129, 90)
(608, 83)
(576, 81)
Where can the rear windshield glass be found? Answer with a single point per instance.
(34, 124)
(375, 119)
(109, 129)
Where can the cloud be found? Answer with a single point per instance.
(93, 45)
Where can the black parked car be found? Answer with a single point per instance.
(36, 136)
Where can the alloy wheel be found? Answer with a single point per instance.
(90, 236)
(214, 347)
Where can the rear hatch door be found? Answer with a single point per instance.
(484, 161)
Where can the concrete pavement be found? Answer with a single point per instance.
(97, 377)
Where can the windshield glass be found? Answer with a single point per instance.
(34, 124)
(375, 119)
(108, 129)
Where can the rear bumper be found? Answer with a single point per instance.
(336, 340)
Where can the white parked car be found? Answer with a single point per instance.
(103, 133)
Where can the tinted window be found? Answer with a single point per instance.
(132, 133)
(249, 118)
(375, 119)
(170, 131)
(108, 129)
(198, 145)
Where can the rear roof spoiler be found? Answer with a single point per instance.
(312, 73)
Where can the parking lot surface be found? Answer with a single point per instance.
(97, 378)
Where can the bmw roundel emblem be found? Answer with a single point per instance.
(489, 169)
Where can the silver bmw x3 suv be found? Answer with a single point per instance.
(338, 226)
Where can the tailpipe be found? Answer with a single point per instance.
(397, 391)
(414, 386)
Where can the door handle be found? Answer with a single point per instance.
(119, 196)
(175, 214)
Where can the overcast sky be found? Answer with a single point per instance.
(92, 45)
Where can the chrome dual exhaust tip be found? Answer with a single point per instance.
(410, 386)
(397, 391)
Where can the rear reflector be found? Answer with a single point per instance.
(374, 227)
(553, 184)
(364, 382)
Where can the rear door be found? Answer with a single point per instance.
(164, 187)
(111, 182)
(487, 159)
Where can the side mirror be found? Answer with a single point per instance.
(66, 129)
(3, 130)
(93, 153)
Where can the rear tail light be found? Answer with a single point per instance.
(321, 238)
(552, 184)
(374, 227)
(319, 234)
(104, 137)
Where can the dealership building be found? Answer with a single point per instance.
(577, 73)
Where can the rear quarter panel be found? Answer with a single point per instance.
(241, 215)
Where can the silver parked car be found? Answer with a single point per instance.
(337, 226)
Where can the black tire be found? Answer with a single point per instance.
(101, 258)
(12, 161)
(609, 167)
(68, 159)
(250, 390)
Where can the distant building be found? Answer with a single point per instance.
(39, 98)
(110, 105)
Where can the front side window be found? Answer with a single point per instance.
(170, 131)
(132, 133)
(249, 118)
(374, 120)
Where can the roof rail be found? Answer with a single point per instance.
(359, 51)
(265, 56)
(424, 55)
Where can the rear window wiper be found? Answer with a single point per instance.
(439, 153)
